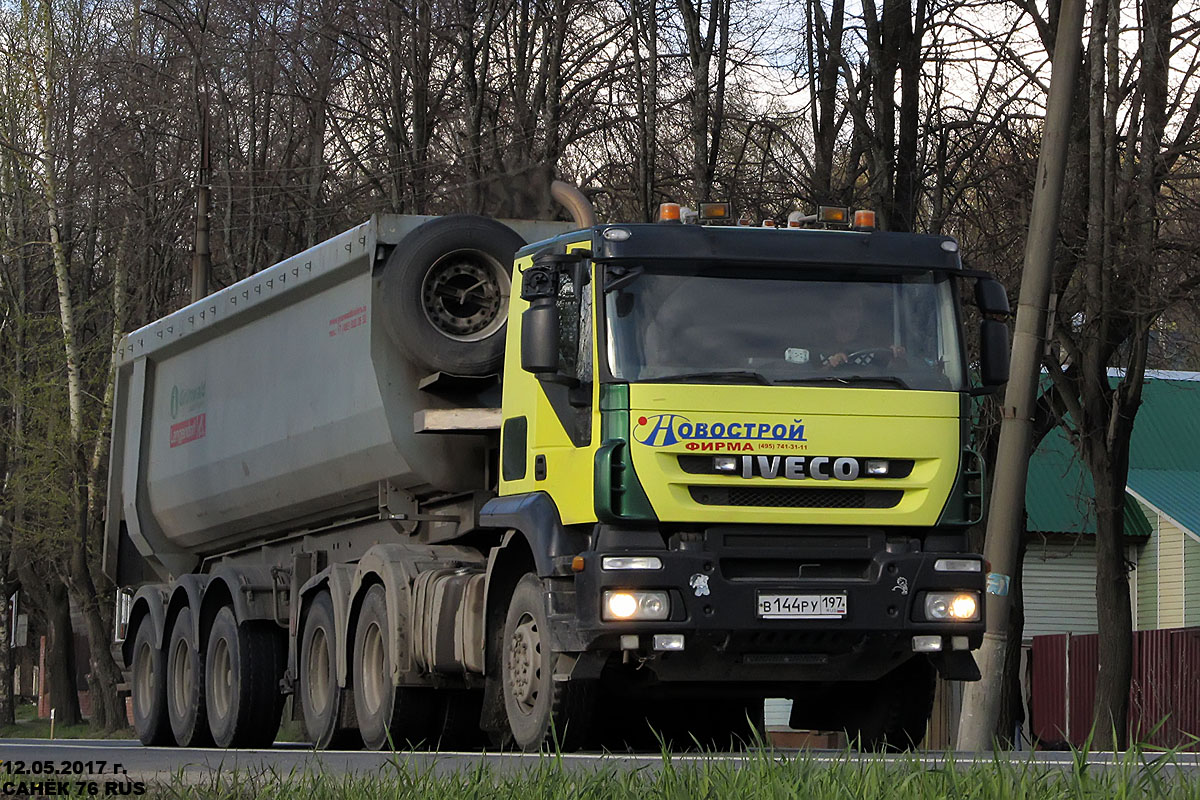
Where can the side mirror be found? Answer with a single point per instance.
(993, 353)
(539, 337)
(991, 297)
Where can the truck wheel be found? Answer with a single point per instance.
(243, 682)
(458, 720)
(723, 724)
(891, 713)
(446, 287)
(185, 685)
(149, 689)
(540, 710)
(388, 715)
(317, 689)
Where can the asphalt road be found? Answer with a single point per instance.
(129, 760)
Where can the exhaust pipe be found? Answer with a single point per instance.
(570, 198)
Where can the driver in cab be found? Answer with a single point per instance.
(859, 336)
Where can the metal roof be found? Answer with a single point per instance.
(1164, 466)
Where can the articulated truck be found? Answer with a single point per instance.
(455, 481)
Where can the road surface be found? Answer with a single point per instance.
(128, 760)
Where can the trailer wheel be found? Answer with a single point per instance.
(185, 685)
(446, 288)
(241, 667)
(540, 709)
(388, 715)
(317, 689)
(149, 689)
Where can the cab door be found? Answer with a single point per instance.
(551, 425)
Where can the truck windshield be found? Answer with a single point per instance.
(744, 325)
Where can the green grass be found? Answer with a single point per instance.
(763, 776)
(28, 726)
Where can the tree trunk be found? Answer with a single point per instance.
(1113, 616)
(1012, 701)
(108, 708)
(60, 657)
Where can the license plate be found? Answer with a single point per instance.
(801, 606)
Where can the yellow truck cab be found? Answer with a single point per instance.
(741, 460)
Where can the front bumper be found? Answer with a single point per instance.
(714, 590)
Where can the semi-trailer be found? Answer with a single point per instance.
(450, 480)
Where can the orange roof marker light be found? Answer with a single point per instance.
(864, 220)
(716, 214)
(833, 215)
(669, 212)
(768, 223)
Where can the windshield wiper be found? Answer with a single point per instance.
(845, 379)
(681, 377)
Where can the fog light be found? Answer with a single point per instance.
(876, 467)
(636, 605)
(668, 641)
(957, 606)
(927, 644)
(631, 562)
(725, 463)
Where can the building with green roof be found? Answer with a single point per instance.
(1162, 519)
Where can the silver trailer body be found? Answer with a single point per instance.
(277, 403)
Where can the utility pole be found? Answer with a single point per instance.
(981, 700)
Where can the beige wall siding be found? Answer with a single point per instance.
(777, 711)
(1060, 586)
(1170, 574)
(1147, 580)
(1191, 581)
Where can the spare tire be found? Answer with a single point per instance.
(445, 290)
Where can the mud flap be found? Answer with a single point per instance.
(956, 665)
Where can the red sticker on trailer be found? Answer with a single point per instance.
(188, 431)
(348, 321)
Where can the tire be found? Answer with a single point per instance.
(446, 287)
(457, 720)
(242, 691)
(186, 708)
(148, 684)
(897, 718)
(388, 715)
(887, 714)
(317, 688)
(691, 723)
(540, 710)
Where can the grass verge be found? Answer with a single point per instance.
(28, 726)
(762, 776)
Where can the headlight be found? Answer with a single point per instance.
(620, 605)
(957, 606)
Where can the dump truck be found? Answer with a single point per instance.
(456, 481)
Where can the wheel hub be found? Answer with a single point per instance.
(524, 662)
(463, 296)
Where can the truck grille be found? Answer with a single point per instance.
(780, 497)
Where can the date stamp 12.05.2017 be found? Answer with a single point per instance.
(52, 778)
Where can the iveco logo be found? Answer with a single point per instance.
(818, 468)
